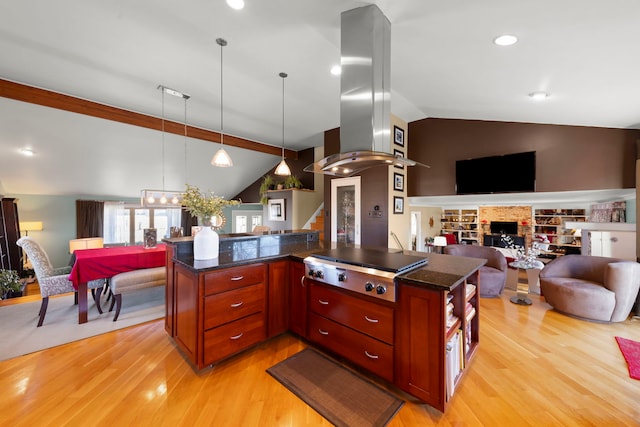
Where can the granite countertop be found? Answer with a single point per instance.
(442, 271)
(248, 252)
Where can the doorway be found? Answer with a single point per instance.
(345, 210)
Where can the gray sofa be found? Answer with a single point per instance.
(590, 287)
(492, 277)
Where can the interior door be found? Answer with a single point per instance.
(345, 210)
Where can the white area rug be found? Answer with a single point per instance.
(19, 334)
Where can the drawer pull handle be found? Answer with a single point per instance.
(371, 356)
(323, 302)
(236, 305)
(371, 320)
(302, 281)
(323, 332)
(235, 279)
(237, 337)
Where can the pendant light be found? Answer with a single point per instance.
(221, 159)
(160, 198)
(283, 168)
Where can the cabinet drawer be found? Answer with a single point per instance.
(228, 339)
(371, 354)
(228, 306)
(368, 317)
(234, 277)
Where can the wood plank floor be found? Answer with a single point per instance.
(534, 367)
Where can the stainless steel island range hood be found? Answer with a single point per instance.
(365, 135)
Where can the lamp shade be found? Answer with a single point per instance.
(31, 226)
(86, 243)
(439, 241)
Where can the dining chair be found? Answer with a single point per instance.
(53, 281)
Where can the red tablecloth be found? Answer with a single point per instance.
(91, 264)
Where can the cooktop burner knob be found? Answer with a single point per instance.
(319, 274)
(380, 289)
(342, 277)
(368, 286)
(312, 273)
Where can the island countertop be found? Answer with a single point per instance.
(442, 271)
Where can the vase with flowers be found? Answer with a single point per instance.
(207, 207)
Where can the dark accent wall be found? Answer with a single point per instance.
(374, 191)
(251, 194)
(568, 158)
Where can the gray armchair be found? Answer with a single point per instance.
(492, 277)
(591, 287)
(52, 281)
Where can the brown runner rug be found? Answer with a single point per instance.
(341, 396)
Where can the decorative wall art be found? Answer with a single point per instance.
(276, 210)
(398, 136)
(398, 205)
(398, 181)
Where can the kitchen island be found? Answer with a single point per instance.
(258, 288)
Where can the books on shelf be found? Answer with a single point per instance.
(454, 361)
(470, 291)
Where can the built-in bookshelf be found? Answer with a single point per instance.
(461, 222)
(552, 224)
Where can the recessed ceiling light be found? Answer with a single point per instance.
(336, 70)
(27, 152)
(505, 40)
(236, 4)
(538, 95)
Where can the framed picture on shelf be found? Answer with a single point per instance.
(398, 136)
(399, 154)
(398, 205)
(398, 181)
(276, 210)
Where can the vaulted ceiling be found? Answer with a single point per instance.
(444, 64)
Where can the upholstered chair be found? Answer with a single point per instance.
(52, 281)
(492, 277)
(591, 287)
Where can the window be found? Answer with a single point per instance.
(245, 221)
(125, 224)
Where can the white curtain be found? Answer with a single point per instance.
(114, 213)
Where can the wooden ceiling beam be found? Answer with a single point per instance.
(47, 98)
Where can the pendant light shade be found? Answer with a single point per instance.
(283, 168)
(221, 159)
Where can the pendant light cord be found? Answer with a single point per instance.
(222, 42)
(284, 76)
(162, 140)
(185, 141)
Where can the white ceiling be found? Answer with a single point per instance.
(444, 64)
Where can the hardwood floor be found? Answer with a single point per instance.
(534, 367)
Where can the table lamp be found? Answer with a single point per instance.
(86, 243)
(28, 226)
(440, 241)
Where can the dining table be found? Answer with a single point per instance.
(104, 263)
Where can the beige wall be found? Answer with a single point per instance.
(399, 224)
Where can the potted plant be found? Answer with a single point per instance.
(292, 181)
(10, 284)
(267, 184)
(206, 243)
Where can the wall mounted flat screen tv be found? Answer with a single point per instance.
(510, 173)
(504, 227)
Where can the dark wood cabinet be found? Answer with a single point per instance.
(278, 304)
(358, 329)
(218, 313)
(10, 252)
(424, 339)
(297, 299)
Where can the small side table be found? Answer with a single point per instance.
(523, 288)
